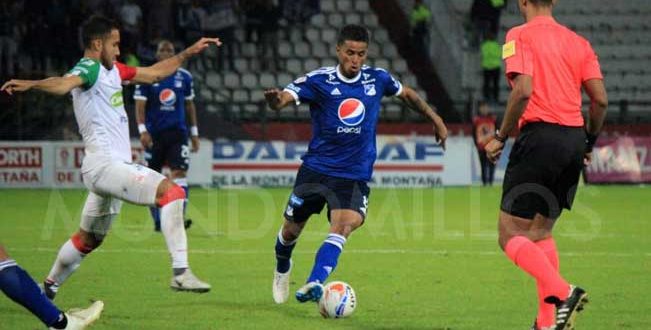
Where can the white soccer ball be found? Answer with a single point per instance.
(338, 300)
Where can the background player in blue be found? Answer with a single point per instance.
(160, 113)
(344, 106)
(21, 288)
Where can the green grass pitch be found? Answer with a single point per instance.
(425, 259)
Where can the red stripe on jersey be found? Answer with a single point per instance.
(126, 72)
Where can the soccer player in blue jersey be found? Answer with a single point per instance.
(344, 106)
(160, 114)
(21, 288)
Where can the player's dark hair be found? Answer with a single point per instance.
(352, 32)
(542, 3)
(96, 27)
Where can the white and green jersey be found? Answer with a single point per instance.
(99, 108)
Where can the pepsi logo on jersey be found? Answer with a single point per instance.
(351, 112)
(167, 97)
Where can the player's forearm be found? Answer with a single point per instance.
(416, 103)
(54, 85)
(140, 113)
(166, 67)
(192, 113)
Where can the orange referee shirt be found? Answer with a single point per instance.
(559, 61)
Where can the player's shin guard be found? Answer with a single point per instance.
(171, 211)
(530, 258)
(68, 260)
(183, 183)
(22, 289)
(283, 253)
(327, 257)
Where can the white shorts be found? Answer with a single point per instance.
(129, 182)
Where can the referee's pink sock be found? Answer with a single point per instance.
(531, 258)
(546, 312)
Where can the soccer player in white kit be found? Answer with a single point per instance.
(96, 87)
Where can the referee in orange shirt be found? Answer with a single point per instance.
(546, 65)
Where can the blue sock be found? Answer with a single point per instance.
(21, 288)
(283, 253)
(155, 215)
(326, 258)
(183, 183)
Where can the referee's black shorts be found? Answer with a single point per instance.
(543, 170)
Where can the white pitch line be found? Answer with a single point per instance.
(349, 251)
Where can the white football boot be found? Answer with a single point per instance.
(281, 285)
(189, 282)
(79, 319)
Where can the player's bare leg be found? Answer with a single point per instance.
(170, 198)
(342, 223)
(524, 242)
(285, 243)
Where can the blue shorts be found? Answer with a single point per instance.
(170, 147)
(313, 190)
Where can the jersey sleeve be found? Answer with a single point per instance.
(391, 85)
(126, 72)
(88, 70)
(591, 68)
(303, 89)
(517, 54)
(188, 87)
(141, 92)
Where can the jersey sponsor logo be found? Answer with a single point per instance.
(351, 112)
(116, 99)
(335, 91)
(167, 97)
(508, 49)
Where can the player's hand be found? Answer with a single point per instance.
(16, 85)
(494, 150)
(195, 143)
(145, 140)
(441, 134)
(587, 158)
(272, 96)
(201, 45)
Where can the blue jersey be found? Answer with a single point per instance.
(344, 116)
(165, 107)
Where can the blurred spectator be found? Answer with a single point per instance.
(9, 38)
(491, 64)
(190, 19)
(130, 16)
(420, 20)
(221, 22)
(56, 21)
(485, 17)
(268, 33)
(483, 128)
(253, 15)
(34, 41)
(297, 13)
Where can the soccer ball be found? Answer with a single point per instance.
(338, 300)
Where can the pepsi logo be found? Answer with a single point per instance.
(167, 97)
(351, 112)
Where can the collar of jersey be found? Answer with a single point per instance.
(348, 80)
(541, 20)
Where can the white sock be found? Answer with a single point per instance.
(171, 220)
(68, 260)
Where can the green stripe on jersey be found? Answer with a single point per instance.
(88, 70)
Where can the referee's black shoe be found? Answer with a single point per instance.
(567, 310)
(187, 223)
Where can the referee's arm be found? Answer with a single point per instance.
(598, 105)
(518, 100)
